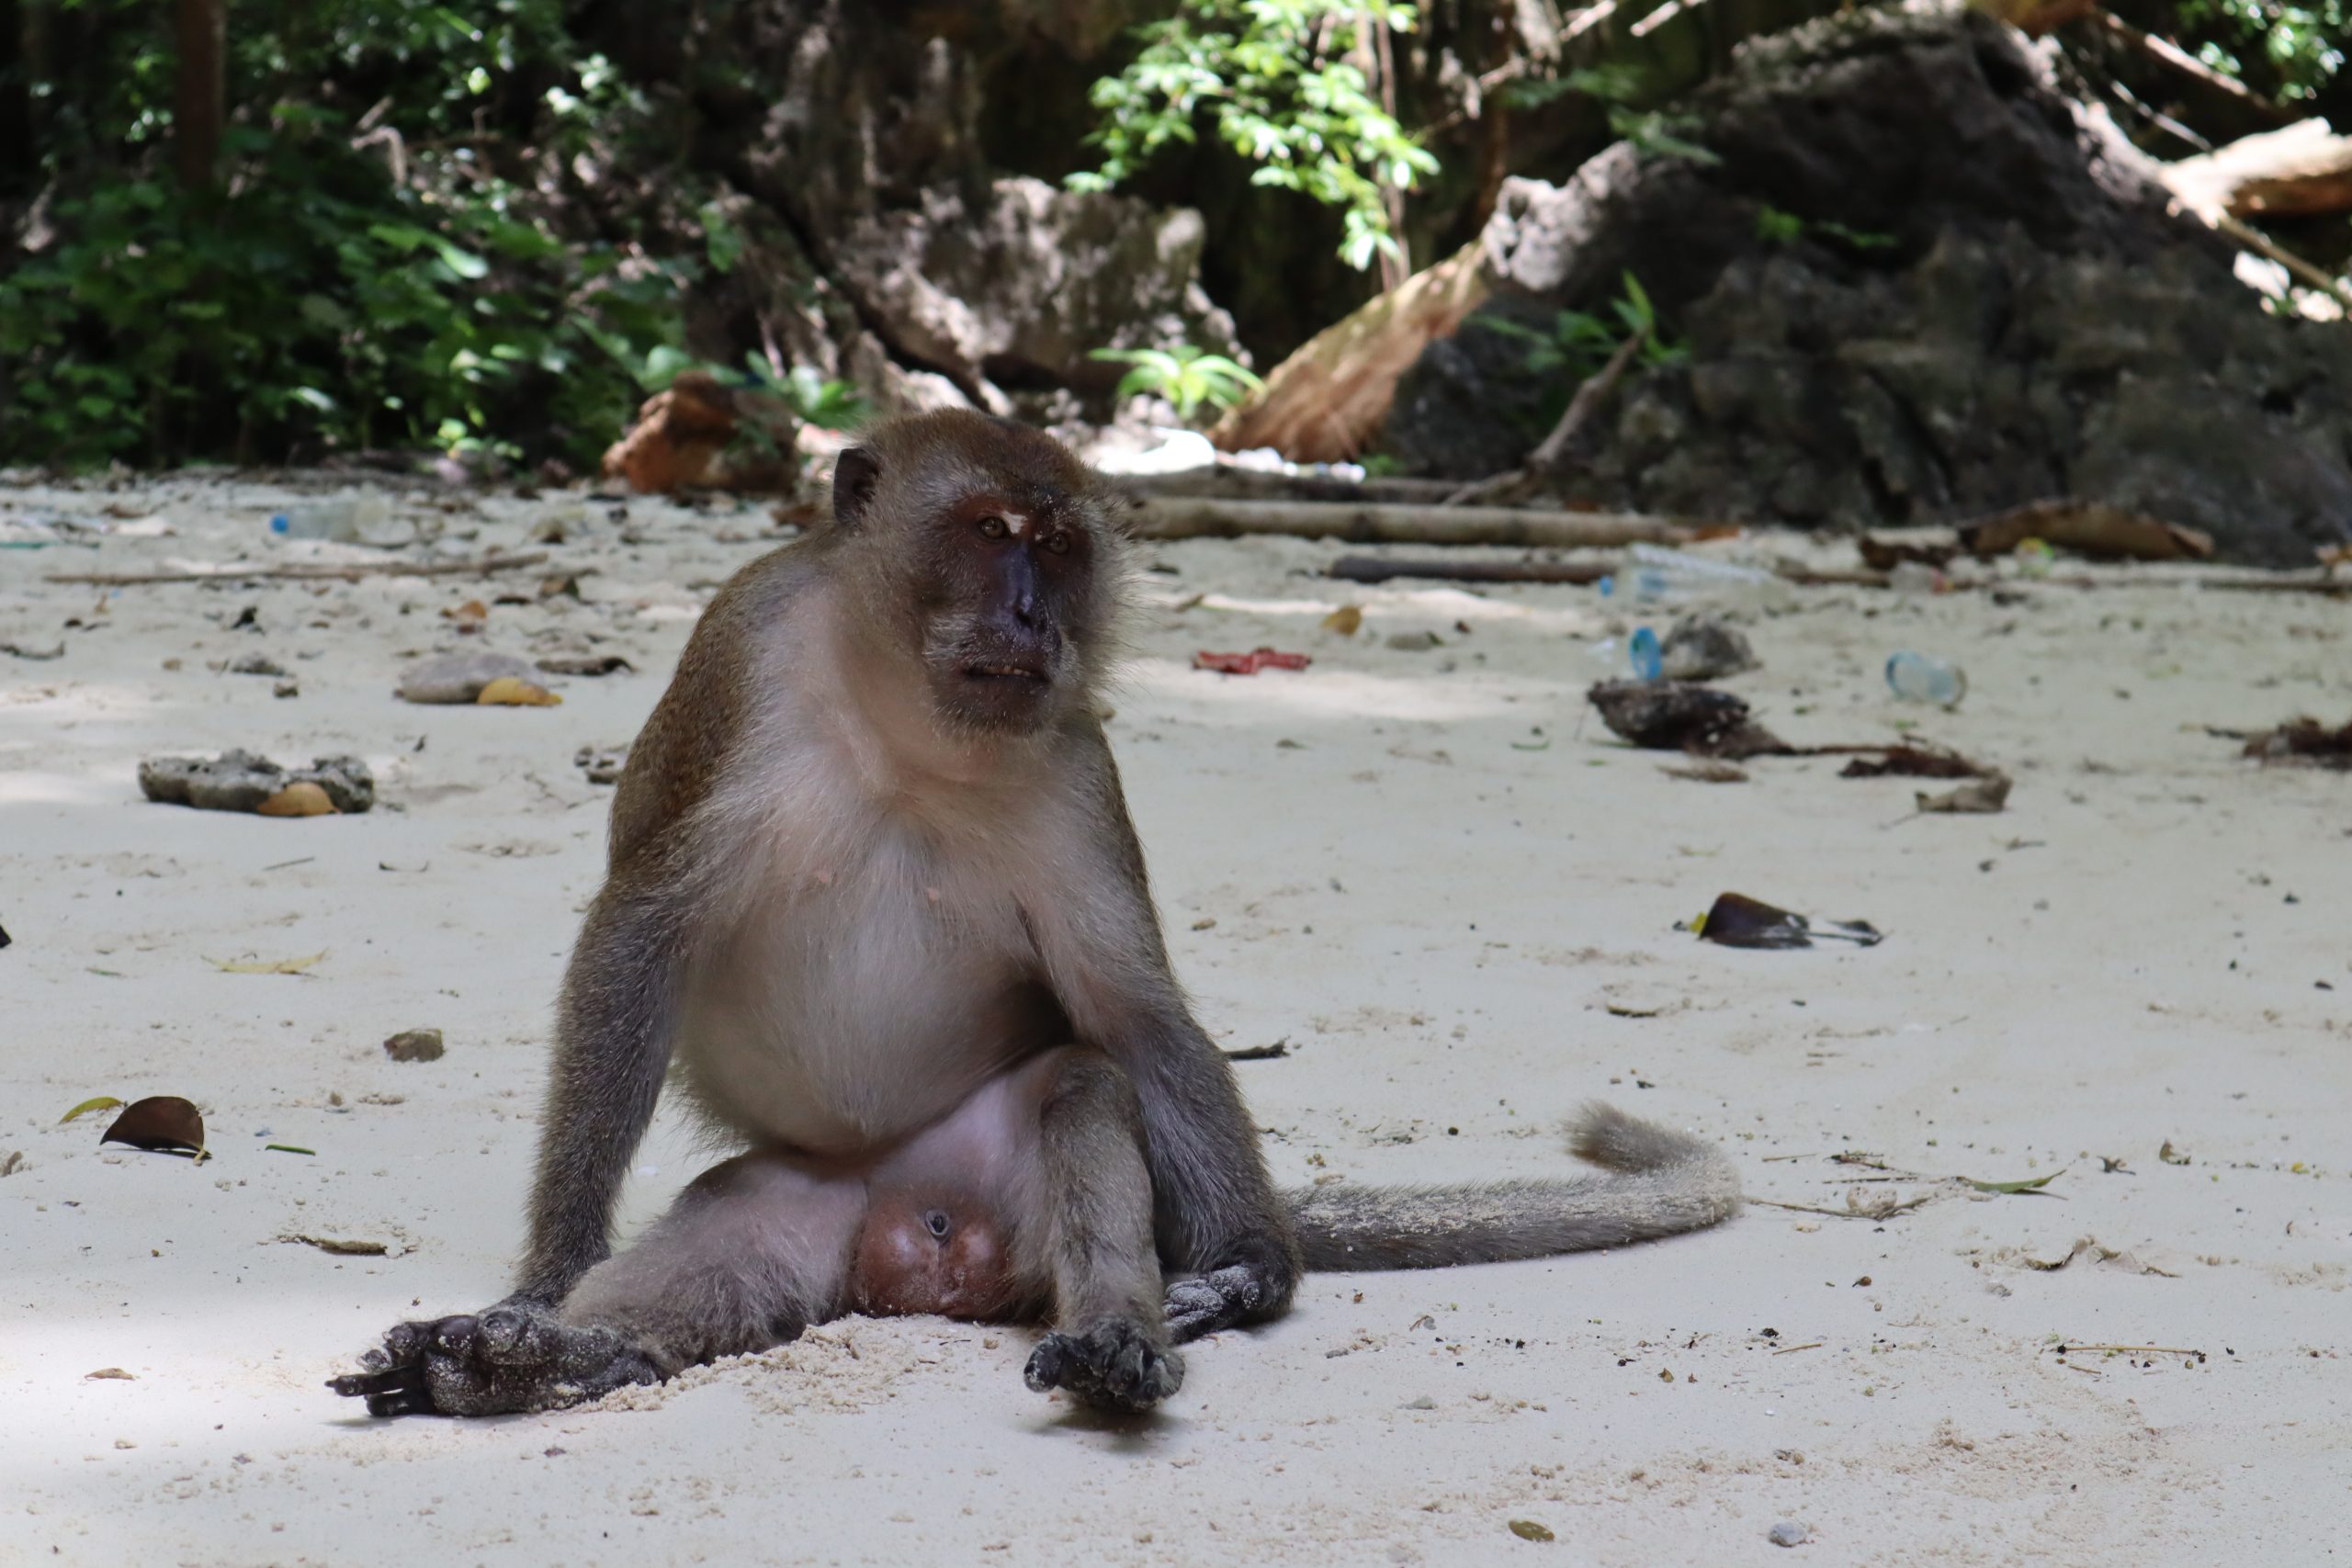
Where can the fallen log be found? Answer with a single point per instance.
(1388, 568)
(1230, 481)
(309, 572)
(1192, 518)
(1326, 402)
(2303, 170)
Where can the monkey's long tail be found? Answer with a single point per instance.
(1660, 1182)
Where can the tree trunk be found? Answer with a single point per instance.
(200, 90)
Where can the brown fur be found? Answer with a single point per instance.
(873, 887)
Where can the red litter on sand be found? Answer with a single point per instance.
(1249, 663)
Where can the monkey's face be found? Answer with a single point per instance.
(993, 546)
(1010, 610)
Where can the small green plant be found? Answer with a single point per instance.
(1781, 228)
(1276, 79)
(1627, 92)
(828, 403)
(1581, 342)
(1186, 376)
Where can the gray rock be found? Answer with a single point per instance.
(1986, 303)
(458, 677)
(415, 1046)
(603, 764)
(1787, 1533)
(240, 781)
(1700, 648)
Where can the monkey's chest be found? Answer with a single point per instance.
(843, 1013)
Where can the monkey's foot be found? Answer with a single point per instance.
(1112, 1365)
(509, 1360)
(1218, 1299)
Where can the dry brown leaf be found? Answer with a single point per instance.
(340, 1246)
(1347, 620)
(513, 692)
(472, 610)
(161, 1122)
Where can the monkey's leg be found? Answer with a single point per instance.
(1109, 1344)
(752, 1253)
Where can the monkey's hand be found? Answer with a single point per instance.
(1257, 1283)
(1111, 1365)
(514, 1357)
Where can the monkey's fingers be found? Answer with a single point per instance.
(394, 1391)
(1216, 1300)
(1110, 1365)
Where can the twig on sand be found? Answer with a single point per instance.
(2068, 1350)
(311, 571)
(1792, 1349)
(1888, 1213)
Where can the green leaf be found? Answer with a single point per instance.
(2035, 1185)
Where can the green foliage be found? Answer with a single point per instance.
(1274, 80)
(1187, 377)
(310, 302)
(1786, 227)
(814, 397)
(1581, 342)
(2302, 45)
(1626, 90)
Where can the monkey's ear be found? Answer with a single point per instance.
(854, 472)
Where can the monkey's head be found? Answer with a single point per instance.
(996, 556)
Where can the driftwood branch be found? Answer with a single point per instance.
(1381, 568)
(310, 572)
(1205, 519)
(2167, 52)
(1550, 454)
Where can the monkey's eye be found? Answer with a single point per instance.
(935, 1222)
(1058, 542)
(992, 528)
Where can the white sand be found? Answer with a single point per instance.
(1437, 921)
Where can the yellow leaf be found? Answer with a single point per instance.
(300, 799)
(98, 1102)
(266, 966)
(514, 692)
(1345, 620)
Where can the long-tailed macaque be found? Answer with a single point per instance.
(873, 885)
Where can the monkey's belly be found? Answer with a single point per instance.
(842, 1039)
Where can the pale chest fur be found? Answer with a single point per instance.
(872, 965)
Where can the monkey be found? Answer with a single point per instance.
(873, 889)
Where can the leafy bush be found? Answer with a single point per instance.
(311, 301)
(1274, 78)
(1185, 376)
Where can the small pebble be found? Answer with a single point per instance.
(414, 1045)
(1788, 1534)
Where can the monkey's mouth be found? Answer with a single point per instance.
(995, 670)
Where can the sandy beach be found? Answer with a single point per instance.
(1433, 873)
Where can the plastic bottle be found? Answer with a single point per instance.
(354, 517)
(1653, 572)
(1638, 657)
(1915, 677)
(1650, 663)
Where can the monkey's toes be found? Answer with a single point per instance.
(1112, 1365)
(1215, 1300)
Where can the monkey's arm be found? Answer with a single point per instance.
(613, 1034)
(1217, 1213)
